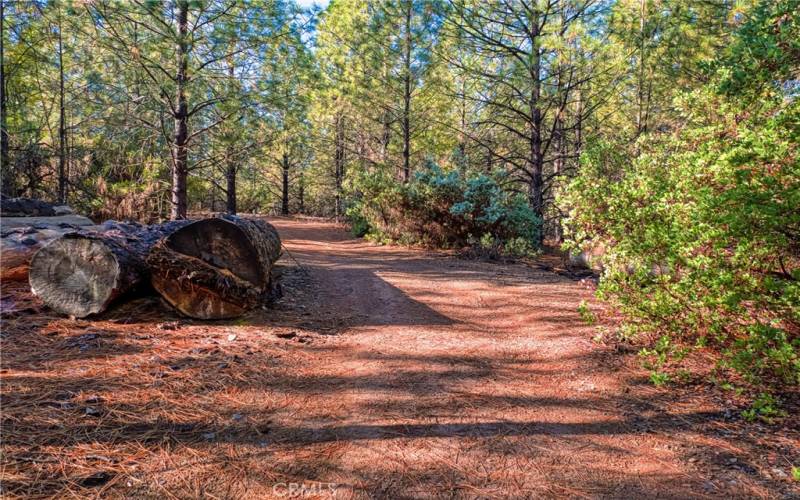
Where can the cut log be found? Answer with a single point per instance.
(8, 223)
(215, 268)
(21, 207)
(18, 244)
(83, 272)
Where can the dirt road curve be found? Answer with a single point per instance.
(383, 372)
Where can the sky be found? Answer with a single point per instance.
(310, 3)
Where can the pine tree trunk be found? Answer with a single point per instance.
(215, 268)
(536, 186)
(62, 120)
(180, 149)
(285, 186)
(230, 193)
(301, 194)
(10, 184)
(407, 97)
(338, 160)
(230, 175)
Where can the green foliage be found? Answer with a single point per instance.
(586, 314)
(765, 408)
(766, 52)
(446, 209)
(700, 229)
(520, 247)
(796, 473)
(657, 358)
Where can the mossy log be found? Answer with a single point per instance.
(83, 272)
(215, 268)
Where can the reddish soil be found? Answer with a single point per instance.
(382, 372)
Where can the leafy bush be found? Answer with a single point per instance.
(359, 225)
(446, 209)
(702, 231)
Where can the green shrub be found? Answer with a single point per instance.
(520, 247)
(586, 314)
(445, 209)
(765, 407)
(701, 228)
(359, 225)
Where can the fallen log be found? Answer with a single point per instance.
(215, 268)
(21, 207)
(83, 272)
(19, 243)
(8, 223)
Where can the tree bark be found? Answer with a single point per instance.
(301, 194)
(230, 192)
(62, 119)
(285, 185)
(83, 272)
(4, 105)
(536, 187)
(641, 114)
(215, 268)
(230, 174)
(338, 161)
(558, 167)
(407, 96)
(180, 153)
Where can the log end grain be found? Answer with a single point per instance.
(75, 276)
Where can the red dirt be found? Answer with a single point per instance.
(383, 372)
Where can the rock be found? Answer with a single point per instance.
(231, 337)
(209, 436)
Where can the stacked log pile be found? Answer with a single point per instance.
(210, 269)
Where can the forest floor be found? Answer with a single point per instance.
(382, 372)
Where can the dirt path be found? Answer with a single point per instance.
(477, 379)
(383, 372)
